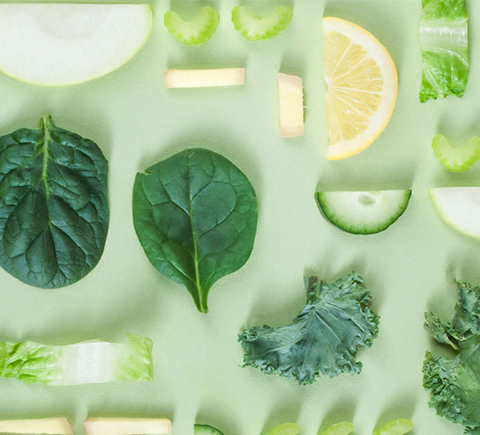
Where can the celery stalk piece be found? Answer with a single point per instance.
(195, 32)
(255, 28)
(81, 363)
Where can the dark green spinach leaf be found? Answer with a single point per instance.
(53, 205)
(196, 217)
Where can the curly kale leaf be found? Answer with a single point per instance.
(455, 382)
(322, 340)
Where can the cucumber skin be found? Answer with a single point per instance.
(205, 429)
(324, 209)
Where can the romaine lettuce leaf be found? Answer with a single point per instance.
(81, 363)
(322, 340)
(455, 382)
(444, 43)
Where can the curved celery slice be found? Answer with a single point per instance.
(456, 159)
(195, 32)
(396, 427)
(255, 28)
(81, 363)
(444, 43)
(285, 429)
(343, 428)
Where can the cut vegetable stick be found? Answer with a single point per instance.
(128, 426)
(203, 78)
(54, 426)
(290, 90)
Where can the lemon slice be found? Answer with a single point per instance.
(362, 87)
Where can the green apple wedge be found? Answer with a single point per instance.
(459, 207)
(59, 44)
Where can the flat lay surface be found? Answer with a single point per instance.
(408, 269)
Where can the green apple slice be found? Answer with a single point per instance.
(54, 426)
(459, 207)
(63, 44)
(343, 428)
(205, 429)
(396, 427)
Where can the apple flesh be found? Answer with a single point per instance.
(53, 426)
(203, 78)
(290, 90)
(128, 426)
(59, 44)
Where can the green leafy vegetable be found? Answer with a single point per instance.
(285, 429)
(82, 363)
(455, 382)
(195, 32)
(395, 427)
(323, 339)
(456, 159)
(195, 215)
(444, 42)
(255, 28)
(343, 428)
(53, 205)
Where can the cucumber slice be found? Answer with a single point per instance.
(396, 427)
(343, 428)
(205, 429)
(195, 32)
(456, 159)
(255, 28)
(285, 429)
(363, 212)
(459, 207)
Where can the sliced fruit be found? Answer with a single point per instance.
(456, 159)
(362, 86)
(365, 212)
(285, 429)
(396, 427)
(204, 429)
(290, 90)
(459, 207)
(62, 44)
(255, 28)
(343, 428)
(204, 78)
(128, 426)
(195, 32)
(54, 426)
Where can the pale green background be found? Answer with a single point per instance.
(408, 269)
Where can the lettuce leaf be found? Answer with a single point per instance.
(455, 382)
(81, 363)
(444, 43)
(322, 340)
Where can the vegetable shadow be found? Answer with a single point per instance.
(401, 407)
(217, 140)
(343, 410)
(283, 413)
(225, 422)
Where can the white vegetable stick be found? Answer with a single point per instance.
(54, 426)
(128, 426)
(202, 78)
(290, 90)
